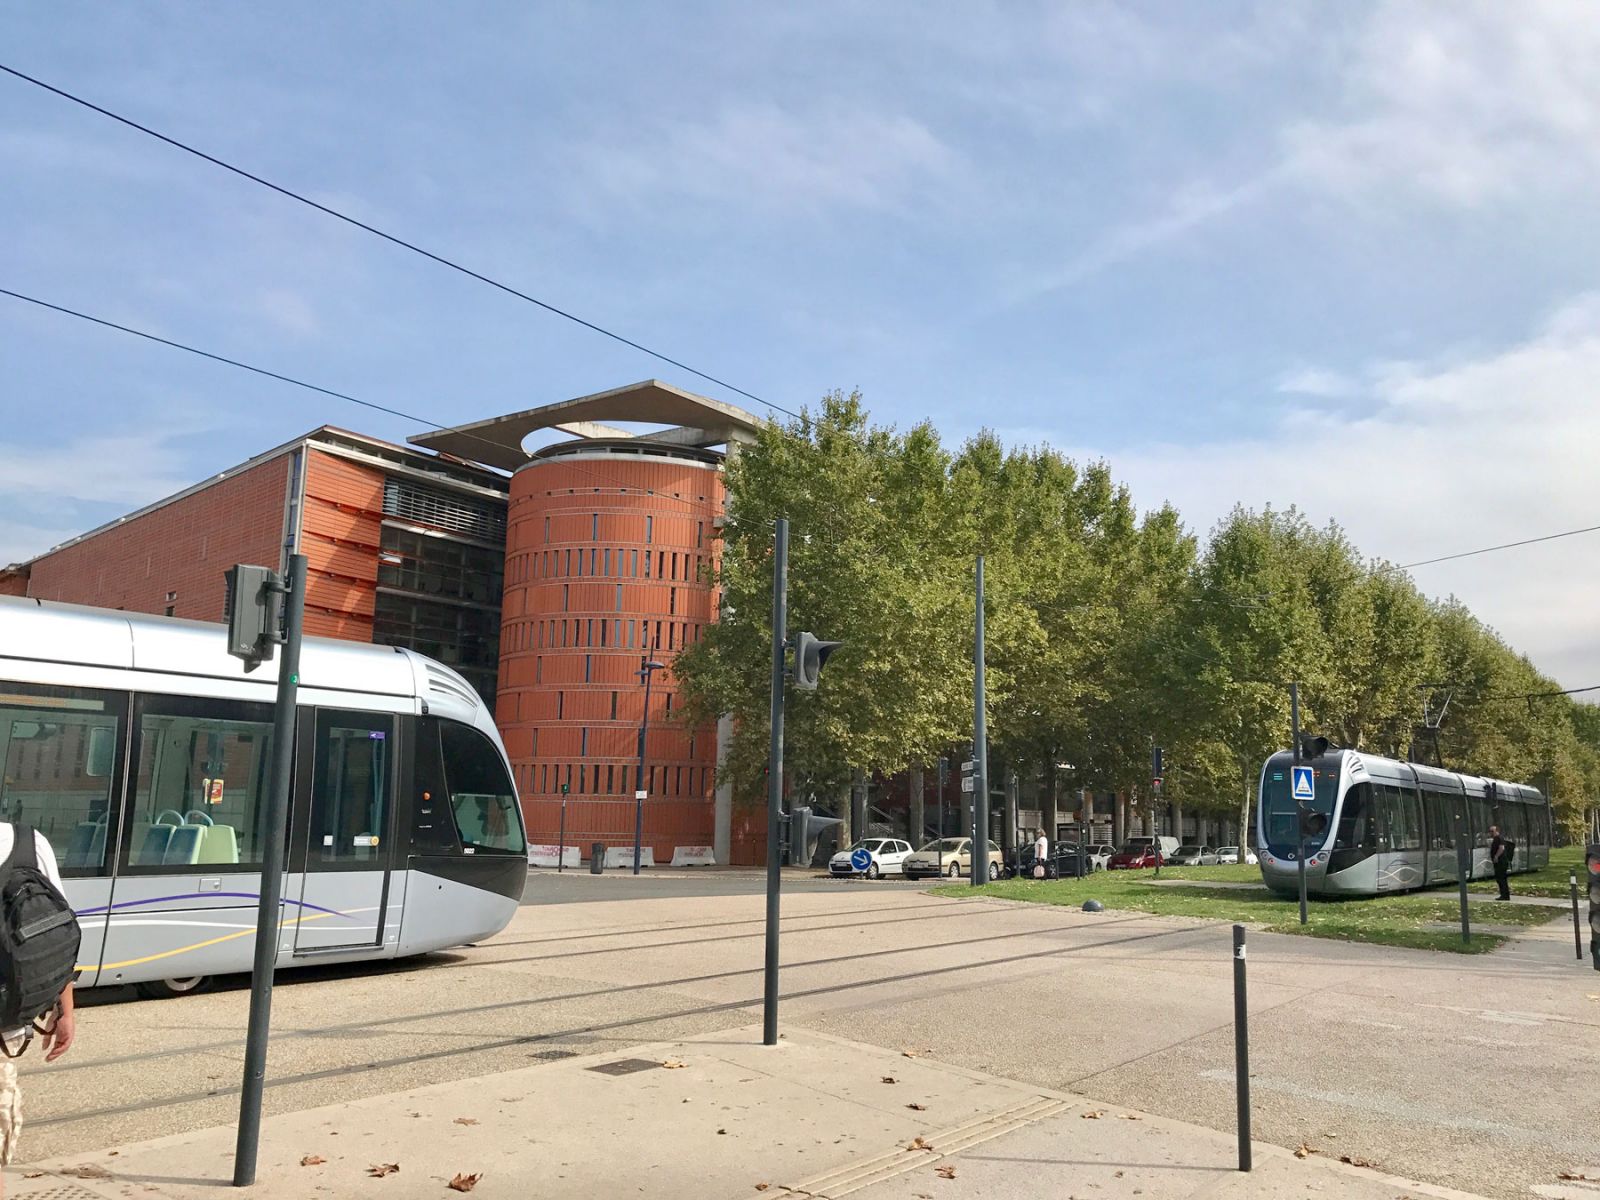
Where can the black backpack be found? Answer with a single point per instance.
(38, 936)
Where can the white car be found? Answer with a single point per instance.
(871, 857)
(1230, 854)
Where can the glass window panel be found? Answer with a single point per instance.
(59, 749)
(481, 796)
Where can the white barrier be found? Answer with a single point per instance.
(693, 856)
(622, 856)
(546, 856)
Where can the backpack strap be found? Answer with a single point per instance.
(16, 858)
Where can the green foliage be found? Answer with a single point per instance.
(1108, 631)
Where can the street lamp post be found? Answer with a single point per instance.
(647, 669)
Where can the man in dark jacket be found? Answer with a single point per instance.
(1500, 849)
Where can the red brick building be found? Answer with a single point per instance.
(544, 578)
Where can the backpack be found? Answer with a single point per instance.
(38, 936)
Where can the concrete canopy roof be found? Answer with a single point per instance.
(695, 421)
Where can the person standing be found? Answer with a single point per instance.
(1500, 849)
(1041, 856)
(56, 1028)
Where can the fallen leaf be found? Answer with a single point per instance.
(761, 1187)
(722, 1131)
(673, 1064)
(1356, 1162)
(112, 1153)
(87, 1171)
(466, 1120)
(463, 1183)
(1094, 1114)
(918, 1143)
(1129, 1117)
(1304, 1151)
(33, 1174)
(917, 1107)
(947, 1171)
(312, 1160)
(1119, 1175)
(890, 1079)
(379, 1170)
(1568, 1175)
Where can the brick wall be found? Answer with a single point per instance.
(182, 548)
(341, 531)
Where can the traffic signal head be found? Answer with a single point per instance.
(251, 608)
(1312, 824)
(811, 654)
(1313, 747)
(805, 827)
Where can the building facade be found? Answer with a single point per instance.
(545, 578)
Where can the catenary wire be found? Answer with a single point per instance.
(301, 383)
(1549, 537)
(389, 237)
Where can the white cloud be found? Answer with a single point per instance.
(126, 469)
(772, 157)
(1455, 456)
(1318, 381)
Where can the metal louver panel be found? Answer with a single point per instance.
(449, 684)
(443, 510)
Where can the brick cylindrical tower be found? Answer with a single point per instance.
(609, 555)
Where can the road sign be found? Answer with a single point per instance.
(966, 784)
(860, 859)
(1300, 785)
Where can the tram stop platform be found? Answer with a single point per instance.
(719, 1117)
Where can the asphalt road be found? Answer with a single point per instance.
(547, 886)
(1464, 1071)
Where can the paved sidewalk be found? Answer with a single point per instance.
(716, 1116)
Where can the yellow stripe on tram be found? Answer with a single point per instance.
(227, 937)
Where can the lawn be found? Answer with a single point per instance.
(1551, 881)
(1388, 920)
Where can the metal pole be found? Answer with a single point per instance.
(1241, 1048)
(267, 914)
(1577, 929)
(980, 753)
(561, 848)
(780, 636)
(638, 783)
(1294, 750)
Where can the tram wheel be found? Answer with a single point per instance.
(171, 989)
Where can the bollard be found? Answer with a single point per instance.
(1577, 928)
(1241, 1047)
(597, 857)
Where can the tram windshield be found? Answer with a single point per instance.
(1282, 813)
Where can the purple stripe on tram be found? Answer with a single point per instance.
(88, 912)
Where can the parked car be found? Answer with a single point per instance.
(1230, 854)
(871, 857)
(1100, 855)
(1193, 856)
(1135, 857)
(1061, 863)
(951, 856)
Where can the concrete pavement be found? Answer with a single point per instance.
(718, 1116)
(1466, 1072)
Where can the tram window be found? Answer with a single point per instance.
(432, 828)
(58, 747)
(1482, 818)
(200, 785)
(1441, 820)
(1355, 819)
(351, 781)
(1409, 834)
(1515, 824)
(481, 794)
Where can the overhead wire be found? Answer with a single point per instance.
(394, 239)
(1549, 537)
(313, 387)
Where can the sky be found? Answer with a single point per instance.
(1339, 256)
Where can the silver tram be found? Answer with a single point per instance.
(1392, 826)
(142, 750)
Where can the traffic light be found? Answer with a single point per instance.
(811, 654)
(805, 827)
(1594, 904)
(251, 607)
(1312, 824)
(1155, 771)
(1312, 748)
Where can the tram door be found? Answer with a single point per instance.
(346, 883)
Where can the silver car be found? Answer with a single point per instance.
(1193, 856)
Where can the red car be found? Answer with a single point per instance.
(1134, 857)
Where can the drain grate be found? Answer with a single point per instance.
(626, 1066)
(55, 1190)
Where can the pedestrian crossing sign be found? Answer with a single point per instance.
(1300, 787)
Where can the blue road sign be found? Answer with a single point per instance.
(1301, 787)
(861, 859)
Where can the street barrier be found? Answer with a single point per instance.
(693, 856)
(622, 856)
(553, 855)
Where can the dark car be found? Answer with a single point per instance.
(1061, 864)
(1132, 858)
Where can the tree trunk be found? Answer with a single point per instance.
(1119, 819)
(919, 832)
(1050, 799)
(842, 806)
(858, 801)
(1177, 822)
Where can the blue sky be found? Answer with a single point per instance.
(1341, 255)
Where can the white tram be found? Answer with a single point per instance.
(142, 751)
(1392, 826)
